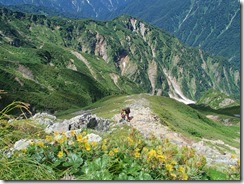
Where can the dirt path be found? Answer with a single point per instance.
(149, 124)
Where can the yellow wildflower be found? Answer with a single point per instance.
(79, 138)
(130, 141)
(161, 158)
(111, 153)
(85, 140)
(185, 176)
(115, 150)
(137, 154)
(60, 154)
(24, 151)
(105, 141)
(137, 150)
(61, 140)
(94, 143)
(40, 144)
(104, 147)
(169, 167)
(173, 176)
(84, 133)
(159, 150)
(181, 169)
(173, 162)
(87, 146)
(238, 162)
(72, 133)
(233, 156)
(49, 138)
(152, 153)
(56, 133)
(233, 168)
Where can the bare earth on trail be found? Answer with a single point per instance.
(149, 124)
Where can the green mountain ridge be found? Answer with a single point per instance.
(213, 26)
(217, 100)
(125, 55)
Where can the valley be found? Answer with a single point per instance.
(133, 58)
(63, 83)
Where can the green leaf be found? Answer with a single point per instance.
(73, 160)
(145, 176)
(122, 176)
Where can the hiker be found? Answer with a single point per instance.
(125, 113)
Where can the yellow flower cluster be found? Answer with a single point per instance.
(137, 153)
(130, 141)
(40, 144)
(79, 138)
(87, 146)
(113, 151)
(60, 154)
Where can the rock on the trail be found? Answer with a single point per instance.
(86, 120)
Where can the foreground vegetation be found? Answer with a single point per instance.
(122, 155)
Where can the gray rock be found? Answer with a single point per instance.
(21, 144)
(85, 120)
(93, 138)
(44, 118)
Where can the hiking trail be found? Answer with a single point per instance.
(148, 124)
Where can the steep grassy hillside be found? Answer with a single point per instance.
(217, 100)
(191, 122)
(37, 70)
(87, 61)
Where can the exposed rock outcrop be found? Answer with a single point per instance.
(44, 118)
(85, 120)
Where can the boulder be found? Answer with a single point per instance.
(93, 138)
(44, 118)
(21, 144)
(85, 120)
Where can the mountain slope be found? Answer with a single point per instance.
(214, 26)
(134, 57)
(166, 118)
(78, 8)
(49, 76)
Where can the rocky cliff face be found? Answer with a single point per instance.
(162, 64)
